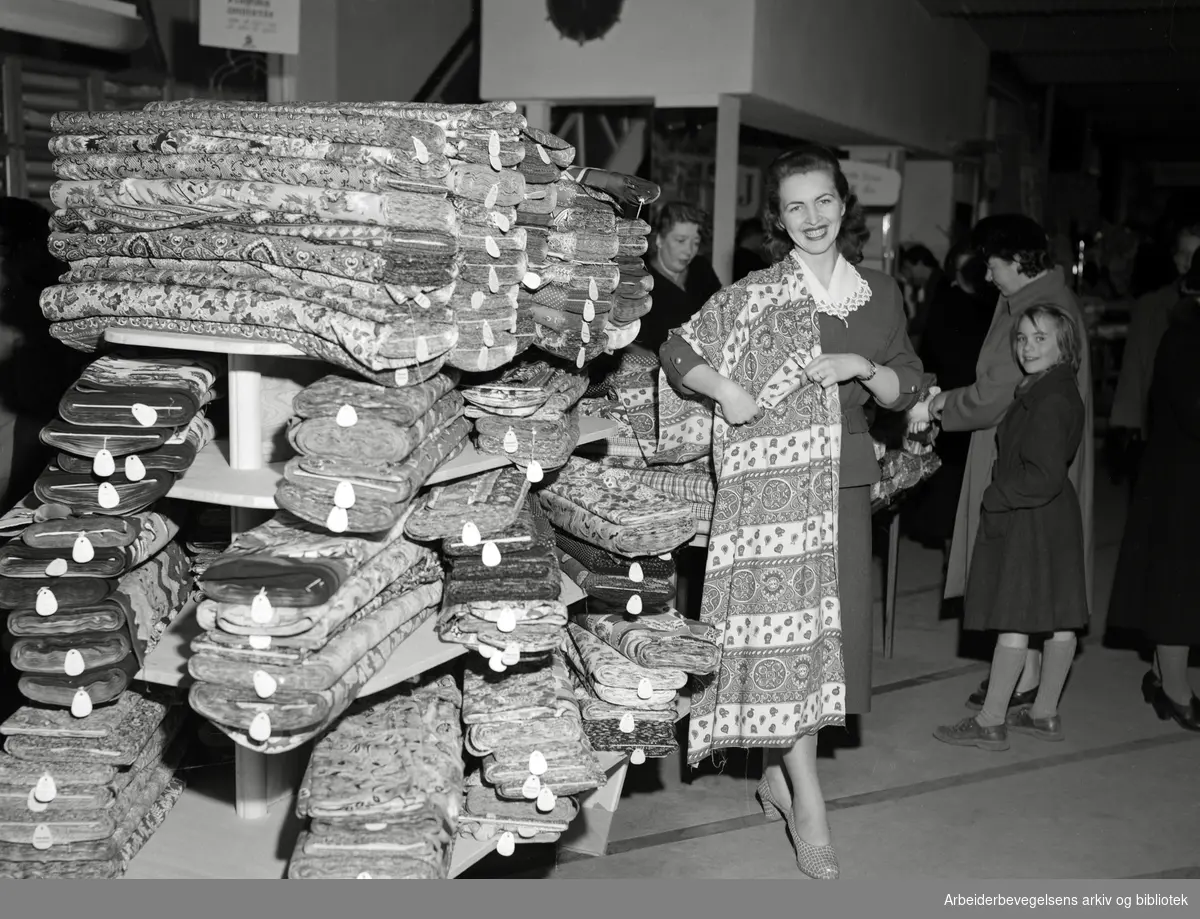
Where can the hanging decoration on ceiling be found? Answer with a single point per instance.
(584, 20)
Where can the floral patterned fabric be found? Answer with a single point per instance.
(770, 585)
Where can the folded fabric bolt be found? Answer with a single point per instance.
(102, 684)
(524, 692)
(526, 330)
(601, 278)
(600, 561)
(381, 865)
(87, 493)
(633, 227)
(483, 804)
(52, 653)
(585, 220)
(476, 182)
(561, 153)
(370, 439)
(101, 532)
(572, 300)
(541, 612)
(327, 397)
(530, 639)
(176, 455)
(427, 823)
(634, 284)
(491, 501)
(485, 738)
(109, 389)
(476, 357)
(130, 722)
(351, 844)
(627, 309)
(322, 669)
(564, 322)
(106, 616)
(547, 442)
(617, 591)
(315, 501)
(537, 247)
(616, 695)
(633, 246)
(594, 709)
(476, 215)
(509, 152)
(536, 170)
(479, 245)
(366, 488)
(569, 345)
(537, 580)
(19, 560)
(570, 770)
(71, 593)
(655, 739)
(605, 665)
(666, 640)
(538, 207)
(605, 506)
(81, 440)
(522, 385)
(524, 535)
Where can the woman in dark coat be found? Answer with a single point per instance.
(1155, 587)
(1027, 574)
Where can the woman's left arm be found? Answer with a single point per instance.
(898, 379)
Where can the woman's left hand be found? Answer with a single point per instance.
(829, 370)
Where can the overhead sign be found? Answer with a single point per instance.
(875, 185)
(270, 26)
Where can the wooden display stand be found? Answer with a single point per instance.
(235, 475)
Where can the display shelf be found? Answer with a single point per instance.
(209, 344)
(166, 665)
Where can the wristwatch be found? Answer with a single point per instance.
(874, 370)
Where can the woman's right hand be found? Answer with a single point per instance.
(737, 405)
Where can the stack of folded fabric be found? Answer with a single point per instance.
(90, 597)
(526, 413)
(526, 728)
(78, 799)
(127, 429)
(365, 450)
(384, 788)
(298, 621)
(617, 584)
(325, 226)
(628, 707)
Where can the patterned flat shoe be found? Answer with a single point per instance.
(818, 862)
(771, 808)
(1022, 721)
(970, 733)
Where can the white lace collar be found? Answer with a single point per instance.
(847, 291)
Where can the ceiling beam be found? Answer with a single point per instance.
(1169, 32)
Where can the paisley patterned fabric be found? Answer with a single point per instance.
(770, 585)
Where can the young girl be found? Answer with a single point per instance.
(1027, 575)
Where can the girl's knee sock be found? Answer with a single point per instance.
(1006, 669)
(1057, 656)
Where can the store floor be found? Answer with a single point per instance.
(1116, 799)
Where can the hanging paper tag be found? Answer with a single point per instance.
(493, 280)
(337, 521)
(543, 154)
(537, 763)
(503, 224)
(260, 727)
(637, 757)
(135, 469)
(81, 703)
(83, 552)
(593, 290)
(531, 788)
(43, 839)
(470, 535)
(526, 832)
(73, 663)
(489, 200)
(585, 333)
(493, 249)
(507, 844)
(57, 568)
(144, 414)
(260, 642)
(489, 339)
(46, 603)
(365, 875)
(347, 417)
(421, 300)
(533, 472)
(423, 352)
(34, 804)
(627, 723)
(644, 689)
(103, 464)
(493, 143)
(634, 605)
(261, 611)
(581, 357)
(545, 800)
(589, 310)
(497, 664)
(491, 554)
(507, 621)
(666, 556)
(488, 652)
(45, 790)
(477, 298)
(420, 150)
(511, 655)
(107, 497)
(635, 573)
(510, 441)
(343, 496)
(532, 280)
(264, 684)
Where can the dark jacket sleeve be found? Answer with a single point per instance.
(899, 354)
(677, 358)
(1045, 452)
(1176, 377)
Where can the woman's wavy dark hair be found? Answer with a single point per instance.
(1014, 238)
(853, 234)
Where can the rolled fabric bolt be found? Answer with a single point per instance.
(489, 338)
(46, 603)
(644, 689)
(633, 605)
(107, 497)
(531, 788)
(45, 790)
(43, 839)
(260, 642)
(637, 757)
(507, 844)
(83, 551)
(545, 800)
(264, 684)
(581, 357)
(33, 804)
(81, 703)
(537, 763)
(73, 663)
(470, 535)
(510, 441)
(135, 469)
(526, 832)
(497, 664)
(56, 568)
(489, 200)
(343, 495)
(627, 724)
(593, 290)
(103, 464)
(477, 298)
(261, 611)
(493, 280)
(337, 521)
(589, 310)
(585, 333)
(511, 654)
(421, 151)
(533, 472)
(144, 414)
(635, 573)
(491, 554)
(507, 621)
(260, 727)
(347, 417)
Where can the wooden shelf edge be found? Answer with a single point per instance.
(208, 344)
